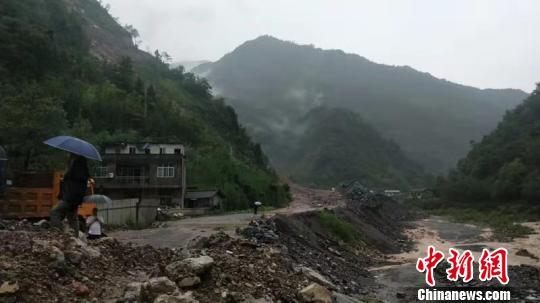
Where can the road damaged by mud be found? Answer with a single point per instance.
(362, 251)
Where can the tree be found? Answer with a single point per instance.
(28, 118)
(134, 33)
(509, 179)
(124, 74)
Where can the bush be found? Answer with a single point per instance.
(341, 229)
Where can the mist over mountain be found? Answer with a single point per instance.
(272, 84)
(336, 144)
(189, 64)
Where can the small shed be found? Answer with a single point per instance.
(203, 199)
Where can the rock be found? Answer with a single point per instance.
(80, 289)
(197, 266)
(57, 254)
(8, 288)
(158, 286)
(315, 293)
(42, 223)
(133, 292)
(315, 276)
(341, 298)
(182, 298)
(78, 244)
(189, 281)
(74, 257)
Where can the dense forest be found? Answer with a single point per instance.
(272, 84)
(504, 165)
(337, 144)
(67, 67)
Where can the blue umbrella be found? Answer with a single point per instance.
(74, 146)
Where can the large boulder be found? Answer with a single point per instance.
(197, 266)
(315, 293)
(159, 286)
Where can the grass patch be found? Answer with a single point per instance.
(504, 218)
(341, 229)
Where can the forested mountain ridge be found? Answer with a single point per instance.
(433, 120)
(337, 144)
(504, 165)
(67, 67)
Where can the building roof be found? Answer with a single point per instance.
(201, 194)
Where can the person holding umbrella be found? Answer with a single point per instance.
(75, 182)
(256, 206)
(72, 192)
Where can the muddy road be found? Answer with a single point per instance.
(180, 233)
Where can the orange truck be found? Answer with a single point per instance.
(34, 195)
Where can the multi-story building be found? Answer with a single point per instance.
(148, 171)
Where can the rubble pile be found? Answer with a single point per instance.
(380, 219)
(243, 270)
(42, 265)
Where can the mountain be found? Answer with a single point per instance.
(273, 83)
(189, 65)
(336, 144)
(504, 165)
(67, 67)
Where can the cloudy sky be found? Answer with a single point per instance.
(483, 43)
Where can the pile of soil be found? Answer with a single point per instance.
(43, 265)
(38, 264)
(379, 220)
(244, 269)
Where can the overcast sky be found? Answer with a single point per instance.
(483, 43)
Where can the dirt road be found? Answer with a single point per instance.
(180, 233)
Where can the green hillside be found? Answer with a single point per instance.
(273, 83)
(504, 165)
(338, 145)
(66, 66)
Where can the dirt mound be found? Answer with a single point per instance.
(245, 269)
(339, 243)
(380, 219)
(46, 265)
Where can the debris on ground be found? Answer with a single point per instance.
(285, 258)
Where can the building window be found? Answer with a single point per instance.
(132, 150)
(101, 172)
(165, 171)
(177, 151)
(162, 150)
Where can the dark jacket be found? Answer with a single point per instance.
(73, 187)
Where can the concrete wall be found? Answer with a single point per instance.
(127, 211)
(120, 212)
